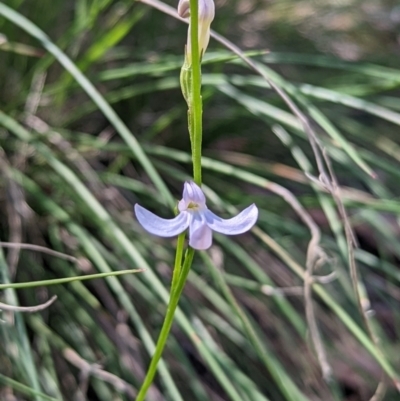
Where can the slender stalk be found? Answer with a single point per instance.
(195, 130)
(196, 107)
(44, 283)
(178, 261)
(168, 320)
(22, 388)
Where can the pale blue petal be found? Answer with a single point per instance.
(236, 225)
(200, 235)
(193, 193)
(159, 226)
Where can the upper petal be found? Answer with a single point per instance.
(236, 225)
(159, 226)
(200, 235)
(192, 193)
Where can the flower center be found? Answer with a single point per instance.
(193, 206)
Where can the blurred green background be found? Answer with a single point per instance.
(72, 169)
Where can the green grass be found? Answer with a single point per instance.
(92, 121)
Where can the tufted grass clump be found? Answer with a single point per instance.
(301, 116)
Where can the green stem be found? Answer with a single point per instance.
(22, 388)
(196, 107)
(44, 283)
(178, 261)
(168, 320)
(195, 131)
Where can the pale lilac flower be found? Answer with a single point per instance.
(206, 16)
(195, 215)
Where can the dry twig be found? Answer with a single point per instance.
(27, 309)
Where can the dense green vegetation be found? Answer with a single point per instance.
(304, 123)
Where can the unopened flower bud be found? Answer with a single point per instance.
(206, 15)
(184, 8)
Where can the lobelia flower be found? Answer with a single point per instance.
(200, 220)
(206, 15)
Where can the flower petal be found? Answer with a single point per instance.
(192, 194)
(200, 235)
(159, 226)
(236, 225)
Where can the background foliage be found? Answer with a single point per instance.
(72, 169)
